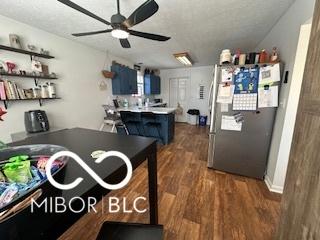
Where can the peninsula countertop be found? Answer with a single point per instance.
(155, 110)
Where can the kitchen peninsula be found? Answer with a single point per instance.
(157, 122)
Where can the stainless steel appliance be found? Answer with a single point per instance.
(36, 121)
(242, 152)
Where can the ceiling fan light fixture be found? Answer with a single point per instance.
(184, 58)
(119, 33)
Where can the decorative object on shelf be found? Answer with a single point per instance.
(44, 52)
(242, 59)
(52, 75)
(29, 93)
(274, 58)
(36, 92)
(15, 41)
(103, 86)
(257, 58)
(44, 91)
(3, 66)
(108, 74)
(225, 57)
(31, 47)
(45, 70)
(264, 57)
(22, 72)
(2, 113)
(10, 66)
(237, 57)
(36, 66)
(251, 58)
(51, 90)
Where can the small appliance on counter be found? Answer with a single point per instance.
(36, 121)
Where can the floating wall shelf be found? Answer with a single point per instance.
(36, 78)
(22, 51)
(26, 76)
(41, 100)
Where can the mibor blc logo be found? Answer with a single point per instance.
(77, 181)
(115, 205)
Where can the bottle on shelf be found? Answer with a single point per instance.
(264, 57)
(274, 56)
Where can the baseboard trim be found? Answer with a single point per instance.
(271, 187)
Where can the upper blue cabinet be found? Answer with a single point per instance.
(125, 80)
(152, 84)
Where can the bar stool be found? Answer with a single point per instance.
(132, 122)
(130, 231)
(109, 122)
(151, 127)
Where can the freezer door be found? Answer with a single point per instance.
(246, 152)
(213, 96)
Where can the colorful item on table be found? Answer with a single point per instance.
(7, 196)
(18, 175)
(42, 162)
(2, 113)
(18, 169)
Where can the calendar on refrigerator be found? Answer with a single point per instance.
(245, 102)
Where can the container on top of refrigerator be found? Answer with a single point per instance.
(225, 57)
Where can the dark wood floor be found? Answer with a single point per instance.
(195, 202)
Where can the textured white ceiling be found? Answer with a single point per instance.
(201, 27)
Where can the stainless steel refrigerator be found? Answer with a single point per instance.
(242, 152)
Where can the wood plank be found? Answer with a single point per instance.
(300, 207)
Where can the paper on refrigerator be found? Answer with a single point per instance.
(225, 93)
(269, 74)
(226, 75)
(230, 123)
(268, 97)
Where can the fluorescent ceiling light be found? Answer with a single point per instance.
(184, 58)
(118, 33)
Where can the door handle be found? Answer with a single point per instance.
(7, 214)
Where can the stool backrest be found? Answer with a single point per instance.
(148, 115)
(129, 116)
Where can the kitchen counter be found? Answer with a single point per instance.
(155, 110)
(139, 125)
(161, 104)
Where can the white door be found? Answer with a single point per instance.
(178, 91)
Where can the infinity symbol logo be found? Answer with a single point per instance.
(76, 182)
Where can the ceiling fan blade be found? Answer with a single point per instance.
(84, 11)
(125, 43)
(91, 33)
(142, 13)
(149, 36)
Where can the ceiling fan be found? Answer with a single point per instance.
(120, 24)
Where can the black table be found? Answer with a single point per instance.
(83, 142)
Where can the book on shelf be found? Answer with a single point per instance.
(7, 89)
(3, 95)
(10, 91)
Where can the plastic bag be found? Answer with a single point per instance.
(18, 170)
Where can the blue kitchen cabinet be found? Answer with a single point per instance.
(152, 84)
(125, 80)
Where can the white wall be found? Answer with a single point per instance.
(79, 70)
(285, 35)
(197, 76)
